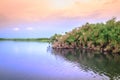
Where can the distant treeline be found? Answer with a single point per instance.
(25, 39)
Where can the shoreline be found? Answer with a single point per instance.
(85, 48)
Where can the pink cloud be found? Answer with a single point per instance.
(39, 10)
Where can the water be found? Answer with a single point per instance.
(37, 61)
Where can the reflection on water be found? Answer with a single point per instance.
(107, 64)
(37, 61)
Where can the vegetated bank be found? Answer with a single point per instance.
(26, 39)
(103, 37)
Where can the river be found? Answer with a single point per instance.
(37, 61)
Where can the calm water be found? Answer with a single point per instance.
(36, 61)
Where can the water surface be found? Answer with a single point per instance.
(37, 61)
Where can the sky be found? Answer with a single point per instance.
(43, 18)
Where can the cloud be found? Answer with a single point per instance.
(29, 28)
(111, 2)
(16, 29)
(24, 9)
(12, 11)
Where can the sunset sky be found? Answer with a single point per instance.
(43, 18)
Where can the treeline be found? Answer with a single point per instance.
(99, 36)
(26, 39)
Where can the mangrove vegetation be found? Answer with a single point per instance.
(103, 37)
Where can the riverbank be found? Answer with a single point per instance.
(103, 37)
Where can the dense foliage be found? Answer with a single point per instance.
(99, 36)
